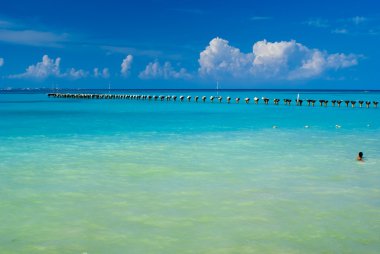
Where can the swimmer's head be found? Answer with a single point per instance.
(360, 154)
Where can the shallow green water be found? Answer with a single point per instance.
(139, 177)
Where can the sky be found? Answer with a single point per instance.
(184, 44)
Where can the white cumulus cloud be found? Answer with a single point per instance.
(41, 70)
(75, 74)
(49, 67)
(1, 61)
(96, 72)
(126, 65)
(155, 70)
(105, 73)
(219, 57)
(269, 60)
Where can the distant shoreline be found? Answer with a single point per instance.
(33, 90)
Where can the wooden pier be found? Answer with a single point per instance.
(211, 99)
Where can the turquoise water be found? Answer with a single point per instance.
(127, 176)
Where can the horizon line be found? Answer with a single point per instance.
(183, 89)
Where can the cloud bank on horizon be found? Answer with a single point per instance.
(283, 60)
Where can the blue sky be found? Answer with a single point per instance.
(190, 44)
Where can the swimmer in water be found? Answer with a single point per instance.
(360, 157)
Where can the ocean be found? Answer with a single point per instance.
(138, 176)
